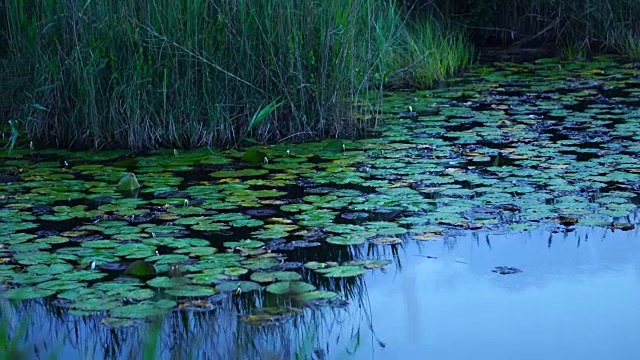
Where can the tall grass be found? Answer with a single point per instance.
(433, 54)
(188, 73)
(629, 44)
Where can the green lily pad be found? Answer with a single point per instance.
(260, 263)
(82, 275)
(60, 285)
(50, 269)
(290, 287)
(249, 244)
(27, 292)
(141, 294)
(166, 282)
(168, 259)
(96, 304)
(253, 156)
(342, 271)
(128, 182)
(334, 146)
(352, 239)
(314, 265)
(317, 295)
(139, 311)
(275, 276)
(368, 264)
(192, 290)
(140, 268)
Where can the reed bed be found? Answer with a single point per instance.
(191, 73)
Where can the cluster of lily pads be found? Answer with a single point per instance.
(509, 146)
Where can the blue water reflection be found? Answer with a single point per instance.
(578, 297)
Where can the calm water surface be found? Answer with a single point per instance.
(577, 297)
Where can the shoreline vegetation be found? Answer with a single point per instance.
(199, 73)
(196, 73)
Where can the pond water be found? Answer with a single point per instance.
(498, 218)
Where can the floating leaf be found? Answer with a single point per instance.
(290, 287)
(128, 182)
(334, 146)
(386, 240)
(260, 263)
(317, 295)
(192, 290)
(27, 292)
(342, 271)
(166, 282)
(249, 244)
(253, 156)
(368, 264)
(275, 276)
(140, 268)
(96, 304)
(353, 239)
(141, 294)
(139, 311)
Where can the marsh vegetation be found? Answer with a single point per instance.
(282, 233)
(318, 179)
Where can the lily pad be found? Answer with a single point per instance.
(27, 292)
(140, 268)
(275, 276)
(128, 182)
(192, 290)
(342, 271)
(139, 311)
(249, 244)
(290, 287)
(318, 295)
(166, 282)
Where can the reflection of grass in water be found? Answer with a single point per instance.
(10, 336)
(185, 335)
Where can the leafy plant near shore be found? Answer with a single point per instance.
(192, 73)
(13, 136)
(434, 56)
(573, 51)
(629, 45)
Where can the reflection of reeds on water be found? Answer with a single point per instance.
(217, 334)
